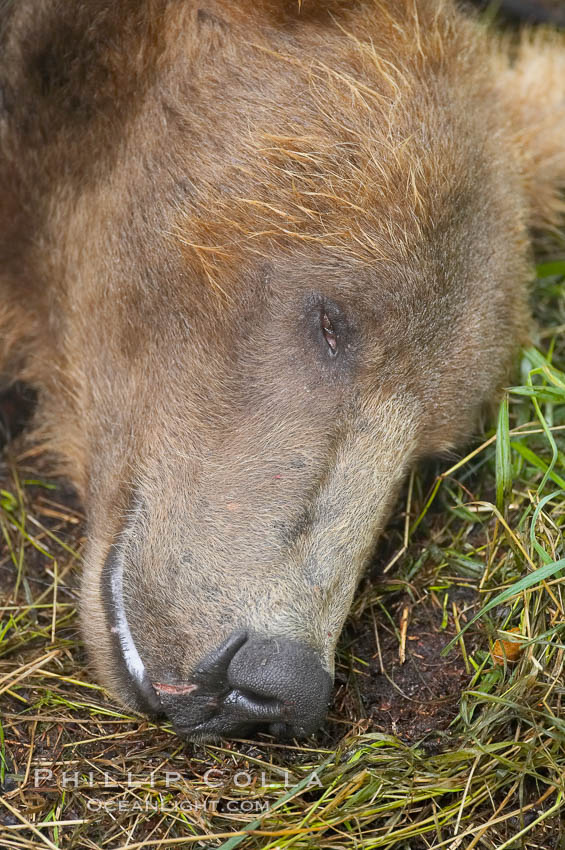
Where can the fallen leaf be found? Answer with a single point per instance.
(507, 650)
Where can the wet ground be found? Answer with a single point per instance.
(414, 692)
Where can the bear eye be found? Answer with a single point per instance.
(329, 334)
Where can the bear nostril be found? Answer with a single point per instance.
(212, 672)
(251, 707)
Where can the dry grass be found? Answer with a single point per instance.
(421, 750)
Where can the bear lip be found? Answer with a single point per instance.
(137, 689)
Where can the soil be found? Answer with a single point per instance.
(420, 695)
(411, 697)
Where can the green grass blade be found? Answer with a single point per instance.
(503, 458)
(529, 581)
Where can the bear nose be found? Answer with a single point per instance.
(250, 683)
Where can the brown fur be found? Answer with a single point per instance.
(176, 178)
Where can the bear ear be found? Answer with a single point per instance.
(531, 76)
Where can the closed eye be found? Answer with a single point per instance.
(329, 334)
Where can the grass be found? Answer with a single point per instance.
(424, 748)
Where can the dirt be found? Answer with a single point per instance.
(410, 696)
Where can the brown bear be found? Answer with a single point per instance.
(258, 257)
